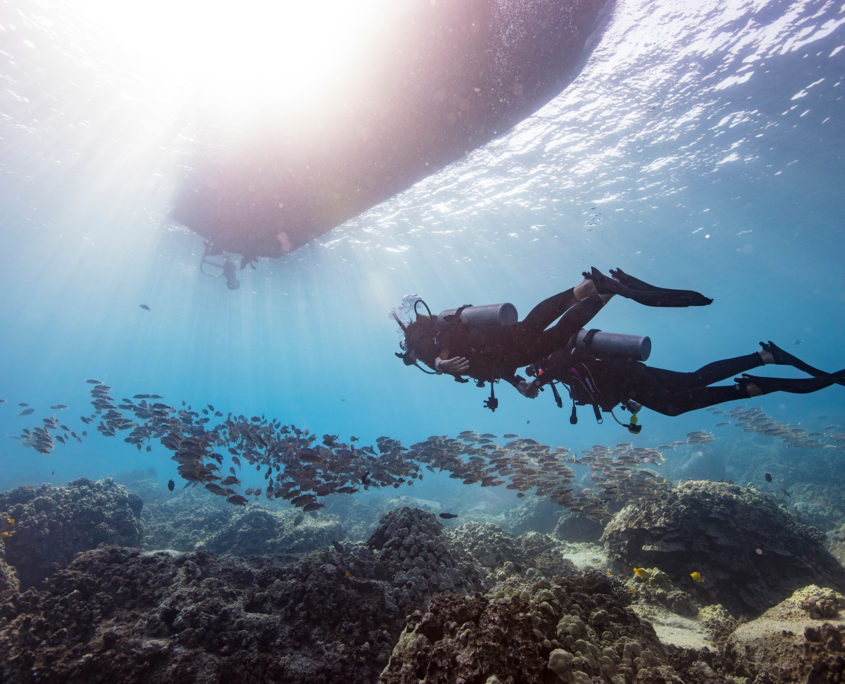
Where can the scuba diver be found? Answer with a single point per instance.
(603, 369)
(487, 343)
(605, 380)
(225, 269)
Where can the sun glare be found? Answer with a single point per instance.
(240, 57)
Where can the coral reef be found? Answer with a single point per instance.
(334, 615)
(417, 560)
(184, 522)
(836, 544)
(502, 554)
(259, 531)
(534, 513)
(577, 527)
(120, 614)
(750, 553)
(576, 629)
(802, 639)
(820, 505)
(8, 577)
(52, 524)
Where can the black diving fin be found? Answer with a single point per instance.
(640, 291)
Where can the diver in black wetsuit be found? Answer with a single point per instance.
(609, 382)
(491, 352)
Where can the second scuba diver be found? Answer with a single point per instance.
(601, 369)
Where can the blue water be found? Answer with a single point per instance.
(701, 147)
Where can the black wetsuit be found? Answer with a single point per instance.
(609, 382)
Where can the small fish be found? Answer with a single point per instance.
(298, 519)
(5, 534)
(448, 516)
(696, 577)
(783, 489)
(641, 573)
(171, 485)
(26, 412)
(236, 499)
(144, 307)
(11, 521)
(768, 477)
(758, 551)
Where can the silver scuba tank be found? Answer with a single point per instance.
(489, 315)
(607, 344)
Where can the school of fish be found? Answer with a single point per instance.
(212, 450)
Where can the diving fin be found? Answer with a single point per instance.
(649, 295)
(799, 386)
(784, 358)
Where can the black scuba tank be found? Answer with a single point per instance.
(613, 345)
(487, 316)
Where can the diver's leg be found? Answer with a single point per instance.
(552, 308)
(672, 393)
(690, 400)
(726, 368)
(576, 317)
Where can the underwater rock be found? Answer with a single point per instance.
(144, 483)
(502, 554)
(749, 552)
(577, 527)
(185, 522)
(8, 577)
(659, 589)
(52, 524)
(802, 639)
(718, 622)
(534, 513)
(821, 506)
(416, 558)
(258, 531)
(836, 544)
(118, 614)
(576, 629)
(490, 546)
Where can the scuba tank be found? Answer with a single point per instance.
(610, 345)
(489, 315)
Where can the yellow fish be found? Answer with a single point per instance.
(5, 534)
(11, 521)
(642, 574)
(696, 577)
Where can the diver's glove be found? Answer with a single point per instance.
(456, 365)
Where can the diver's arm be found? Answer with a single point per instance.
(455, 365)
